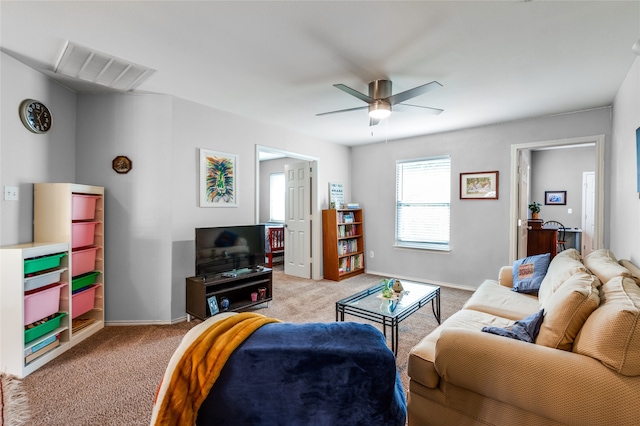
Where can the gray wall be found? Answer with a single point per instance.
(138, 252)
(153, 210)
(479, 228)
(561, 170)
(625, 200)
(26, 157)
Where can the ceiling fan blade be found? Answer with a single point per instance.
(373, 121)
(428, 110)
(412, 93)
(355, 93)
(342, 110)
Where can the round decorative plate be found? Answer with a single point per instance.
(121, 164)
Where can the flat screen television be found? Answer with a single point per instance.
(225, 248)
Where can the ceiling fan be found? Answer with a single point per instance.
(381, 100)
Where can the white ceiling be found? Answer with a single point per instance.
(276, 61)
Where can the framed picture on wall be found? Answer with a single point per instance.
(555, 197)
(638, 156)
(479, 186)
(218, 179)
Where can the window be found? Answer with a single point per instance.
(276, 197)
(423, 195)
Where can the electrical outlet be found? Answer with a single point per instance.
(569, 211)
(11, 193)
(371, 254)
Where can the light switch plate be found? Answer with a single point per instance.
(11, 193)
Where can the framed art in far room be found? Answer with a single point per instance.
(479, 186)
(218, 179)
(558, 198)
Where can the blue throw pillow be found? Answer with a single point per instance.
(529, 272)
(526, 329)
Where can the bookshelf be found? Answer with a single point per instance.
(74, 214)
(33, 293)
(343, 243)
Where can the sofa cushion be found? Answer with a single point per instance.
(529, 272)
(633, 269)
(571, 252)
(603, 264)
(495, 299)
(611, 334)
(560, 269)
(422, 356)
(505, 276)
(526, 329)
(567, 309)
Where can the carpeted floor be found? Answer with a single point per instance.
(111, 378)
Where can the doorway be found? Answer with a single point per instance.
(313, 263)
(516, 222)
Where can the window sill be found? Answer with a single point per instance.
(440, 248)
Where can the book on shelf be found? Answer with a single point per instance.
(347, 246)
(350, 263)
(348, 230)
(41, 344)
(353, 205)
(42, 351)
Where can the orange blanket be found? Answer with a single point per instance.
(196, 364)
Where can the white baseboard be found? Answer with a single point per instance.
(145, 322)
(423, 280)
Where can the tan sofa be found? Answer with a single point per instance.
(583, 369)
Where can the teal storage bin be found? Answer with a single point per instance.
(44, 328)
(38, 264)
(82, 281)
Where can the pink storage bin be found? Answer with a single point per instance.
(83, 301)
(83, 261)
(83, 207)
(82, 234)
(42, 303)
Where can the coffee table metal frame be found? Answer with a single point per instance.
(349, 305)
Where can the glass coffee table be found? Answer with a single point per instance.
(369, 304)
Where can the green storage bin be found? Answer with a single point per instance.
(44, 328)
(82, 281)
(42, 263)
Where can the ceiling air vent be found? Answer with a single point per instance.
(96, 67)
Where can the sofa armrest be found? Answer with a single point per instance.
(505, 277)
(560, 385)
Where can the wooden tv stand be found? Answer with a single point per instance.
(236, 288)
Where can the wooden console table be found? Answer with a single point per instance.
(236, 288)
(541, 241)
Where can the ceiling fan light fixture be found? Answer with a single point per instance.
(379, 110)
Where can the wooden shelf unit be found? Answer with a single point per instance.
(13, 347)
(342, 243)
(52, 222)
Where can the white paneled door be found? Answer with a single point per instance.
(297, 242)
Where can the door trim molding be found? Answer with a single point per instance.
(599, 141)
(316, 231)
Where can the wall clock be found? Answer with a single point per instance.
(35, 116)
(121, 164)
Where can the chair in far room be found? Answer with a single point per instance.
(562, 241)
(276, 243)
